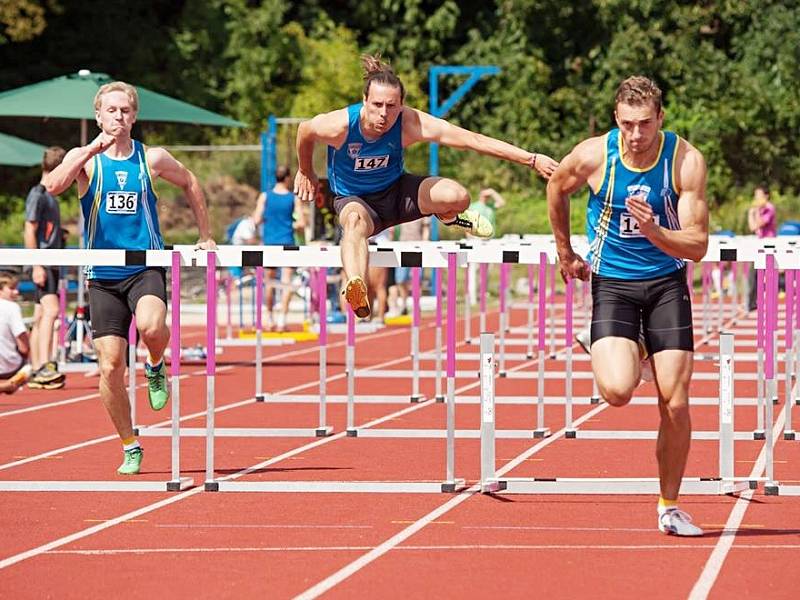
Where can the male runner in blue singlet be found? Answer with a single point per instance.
(366, 171)
(115, 176)
(647, 212)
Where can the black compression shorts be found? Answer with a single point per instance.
(661, 305)
(399, 203)
(50, 283)
(113, 302)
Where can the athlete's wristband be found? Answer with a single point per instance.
(533, 162)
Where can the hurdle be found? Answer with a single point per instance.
(436, 259)
(724, 483)
(172, 259)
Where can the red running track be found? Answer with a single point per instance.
(282, 545)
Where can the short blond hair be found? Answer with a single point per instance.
(117, 86)
(638, 90)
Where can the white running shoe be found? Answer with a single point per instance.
(676, 522)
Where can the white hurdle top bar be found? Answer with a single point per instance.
(422, 255)
(515, 250)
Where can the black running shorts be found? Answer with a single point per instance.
(50, 283)
(113, 302)
(399, 203)
(661, 305)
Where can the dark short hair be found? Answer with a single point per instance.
(377, 71)
(282, 173)
(638, 90)
(52, 157)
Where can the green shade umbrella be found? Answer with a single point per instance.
(17, 152)
(72, 97)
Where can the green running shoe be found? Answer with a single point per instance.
(132, 462)
(157, 385)
(473, 223)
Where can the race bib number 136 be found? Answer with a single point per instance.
(122, 203)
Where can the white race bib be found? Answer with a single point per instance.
(122, 203)
(629, 226)
(371, 163)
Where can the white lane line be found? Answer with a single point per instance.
(267, 359)
(17, 558)
(33, 552)
(713, 566)
(394, 541)
(345, 572)
(223, 408)
(257, 526)
(423, 548)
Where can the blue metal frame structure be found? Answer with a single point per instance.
(475, 73)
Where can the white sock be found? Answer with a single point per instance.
(132, 446)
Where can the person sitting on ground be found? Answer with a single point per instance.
(14, 342)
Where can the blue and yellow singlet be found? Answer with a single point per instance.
(616, 246)
(119, 209)
(360, 166)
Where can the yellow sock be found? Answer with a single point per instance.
(153, 361)
(664, 504)
(130, 443)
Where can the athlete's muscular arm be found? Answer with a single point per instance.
(73, 166)
(328, 128)
(163, 164)
(419, 126)
(577, 168)
(691, 240)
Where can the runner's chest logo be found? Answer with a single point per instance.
(122, 178)
(353, 150)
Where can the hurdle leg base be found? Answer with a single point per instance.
(416, 398)
(789, 435)
(594, 400)
(323, 431)
(492, 487)
(529, 355)
(753, 485)
(184, 483)
(774, 399)
(452, 486)
(571, 434)
(771, 489)
(261, 397)
(440, 398)
(211, 486)
(136, 431)
(759, 435)
(540, 434)
(352, 433)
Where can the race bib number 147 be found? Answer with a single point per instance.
(371, 163)
(122, 203)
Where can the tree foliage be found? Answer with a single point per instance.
(729, 69)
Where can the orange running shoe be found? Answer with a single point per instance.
(355, 292)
